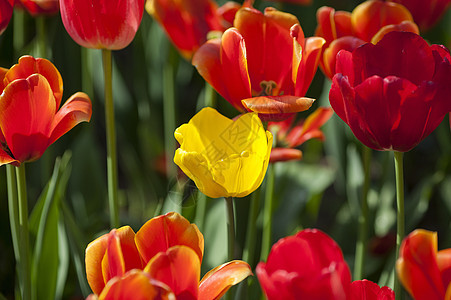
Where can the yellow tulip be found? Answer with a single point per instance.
(225, 158)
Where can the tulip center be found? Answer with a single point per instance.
(269, 88)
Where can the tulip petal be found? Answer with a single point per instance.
(284, 154)
(136, 285)
(179, 268)
(403, 26)
(397, 50)
(277, 104)
(29, 65)
(162, 232)
(77, 109)
(337, 58)
(119, 248)
(368, 17)
(5, 158)
(261, 32)
(417, 265)
(444, 264)
(368, 290)
(27, 108)
(310, 128)
(218, 280)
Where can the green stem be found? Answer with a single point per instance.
(111, 140)
(267, 214)
(201, 208)
(230, 228)
(360, 250)
(169, 112)
(210, 95)
(400, 212)
(41, 36)
(13, 209)
(25, 273)
(18, 32)
(251, 234)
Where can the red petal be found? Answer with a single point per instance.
(163, 232)
(179, 268)
(95, 251)
(29, 65)
(367, 290)
(310, 128)
(77, 109)
(265, 61)
(417, 265)
(218, 280)
(136, 285)
(113, 261)
(27, 108)
(444, 264)
(5, 158)
(284, 154)
(405, 55)
(331, 63)
(403, 26)
(6, 11)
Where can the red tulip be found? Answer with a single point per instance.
(367, 290)
(308, 265)
(39, 7)
(299, 2)
(187, 23)
(392, 105)
(102, 24)
(368, 22)
(29, 117)
(290, 136)
(264, 64)
(425, 13)
(424, 272)
(6, 11)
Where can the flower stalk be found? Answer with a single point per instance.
(399, 173)
(111, 140)
(230, 228)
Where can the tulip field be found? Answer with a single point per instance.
(208, 149)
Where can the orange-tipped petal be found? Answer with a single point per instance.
(77, 109)
(113, 261)
(277, 104)
(27, 108)
(125, 254)
(284, 154)
(29, 65)
(403, 26)
(218, 280)
(417, 265)
(163, 232)
(95, 251)
(306, 68)
(179, 268)
(136, 285)
(370, 16)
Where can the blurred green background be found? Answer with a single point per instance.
(320, 191)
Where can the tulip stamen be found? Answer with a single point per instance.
(269, 88)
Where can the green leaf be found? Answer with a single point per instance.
(49, 264)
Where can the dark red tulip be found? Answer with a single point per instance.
(392, 94)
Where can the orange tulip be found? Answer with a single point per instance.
(290, 136)
(424, 272)
(164, 256)
(368, 22)
(187, 23)
(136, 285)
(29, 117)
(263, 64)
